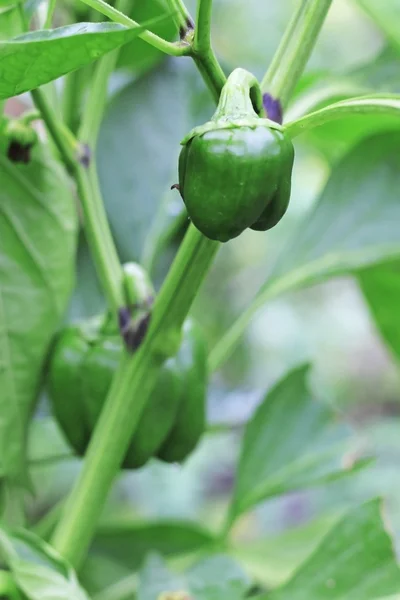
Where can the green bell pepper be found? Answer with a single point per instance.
(235, 171)
(81, 369)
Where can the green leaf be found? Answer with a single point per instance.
(381, 76)
(38, 570)
(350, 226)
(353, 225)
(336, 137)
(129, 543)
(387, 16)
(28, 61)
(291, 442)
(272, 560)
(354, 561)
(138, 150)
(380, 285)
(38, 227)
(382, 106)
(138, 55)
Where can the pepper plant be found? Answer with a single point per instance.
(128, 385)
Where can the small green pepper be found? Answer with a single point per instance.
(81, 370)
(235, 170)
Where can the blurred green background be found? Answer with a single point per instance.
(153, 102)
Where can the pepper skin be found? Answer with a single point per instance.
(235, 171)
(190, 421)
(81, 370)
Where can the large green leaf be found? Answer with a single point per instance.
(291, 442)
(274, 559)
(138, 149)
(138, 55)
(38, 570)
(354, 561)
(353, 224)
(38, 228)
(381, 287)
(28, 61)
(128, 543)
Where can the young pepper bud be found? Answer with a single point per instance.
(21, 139)
(235, 171)
(134, 318)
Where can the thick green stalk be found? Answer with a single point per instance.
(131, 389)
(72, 94)
(295, 49)
(65, 142)
(202, 51)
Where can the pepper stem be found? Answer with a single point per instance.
(240, 97)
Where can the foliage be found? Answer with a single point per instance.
(86, 176)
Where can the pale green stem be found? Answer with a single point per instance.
(287, 39)
(181, 16)
(72, 97)
(203, 53)
(104, 256)
(295, 49)
(65, 142)
(97, 99)
(173, 49)
(50, 12)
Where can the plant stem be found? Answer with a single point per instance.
(130, 390)
(99, 237)
(288, 37)
(72, 97)
(50, 12)
(295, 49)
(202, 39)
(100, 241)
(181, 16)
(65, 142)
(173, 49)
(97, 99)
(202, 51)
